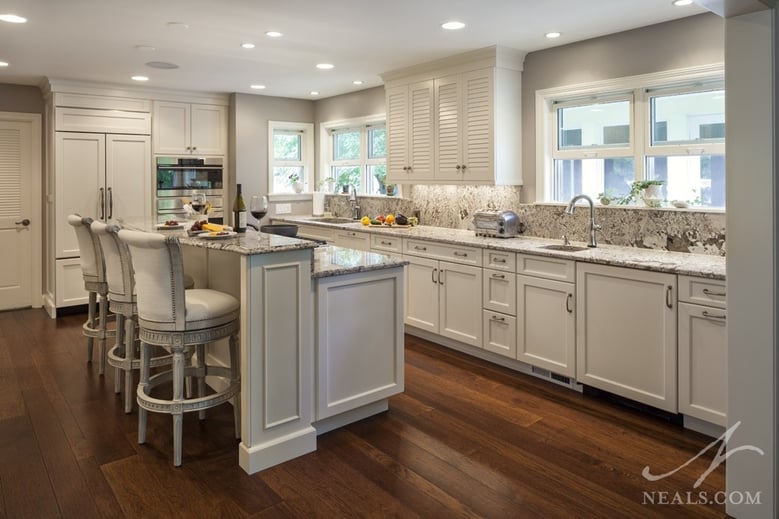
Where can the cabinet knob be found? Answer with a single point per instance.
(457, 167)
(464, 166)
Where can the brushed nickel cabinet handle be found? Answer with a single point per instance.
(568, 299)
(499, 260)
(498, 319)
(710, 293)
(499, 276)
(417, 247)
(432, 275)
(707, 315)
(441, 276)
(460, 254)
(669, 296)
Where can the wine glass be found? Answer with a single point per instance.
(259, 207)
(198, 202)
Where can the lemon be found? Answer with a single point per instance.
(365, 220)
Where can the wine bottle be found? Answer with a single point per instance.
(239, 212)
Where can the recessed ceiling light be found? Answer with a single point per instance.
(681, 3)
(325, 66)
(12, 18)
(357, 82)
(247, 45)
(314, 93)
(273, 34)
(139, 78)
(177, 25)
(552, 35)
(452, 26)
(162, 65)
(145, 48)
(258, 87)
(3, 63)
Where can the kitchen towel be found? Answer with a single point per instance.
(319, 203)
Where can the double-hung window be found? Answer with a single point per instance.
(357, 154)
(290, 155)
(600, 139)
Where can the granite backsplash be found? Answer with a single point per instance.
(680, 230)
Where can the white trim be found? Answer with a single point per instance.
(36, 288)
(545, 129)
(306, 152)
(361, 124)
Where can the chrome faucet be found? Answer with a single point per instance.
(353, 202)
(593, 226)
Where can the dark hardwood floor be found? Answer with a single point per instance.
(466, 439)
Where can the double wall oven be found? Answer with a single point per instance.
(178, 178)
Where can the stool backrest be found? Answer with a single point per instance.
(159, 277)
(118, 266)
(91, 255)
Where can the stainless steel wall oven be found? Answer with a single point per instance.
(178, 178)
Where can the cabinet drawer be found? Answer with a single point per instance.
(454, 253)
(102, 121)
(316, 232)
(499, 260)
(352, 239)
(386, 243)
(702, 291)
(499, 291)
(500, 333)
(69, 284)
(544, 267)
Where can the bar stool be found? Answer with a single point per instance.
(93, 270)
(124, 356)
(179, 320)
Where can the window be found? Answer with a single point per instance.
(601, 137)
(357, 154)
(290, 155)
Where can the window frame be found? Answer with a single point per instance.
(641, 88)
(364, 125)
(306, 153)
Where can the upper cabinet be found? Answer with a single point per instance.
(456, 121)
(189, 129)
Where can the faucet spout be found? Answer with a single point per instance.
(593, 226)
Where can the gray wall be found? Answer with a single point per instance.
(248, 133)
(19, 98)
(696, 40)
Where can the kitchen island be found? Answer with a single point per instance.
(315, 353)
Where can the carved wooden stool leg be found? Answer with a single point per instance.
(101, 338)
(129, 355)
(201, 376)
(120, 349)
(176, 405)
(91, 309)
(235, 374)
(142, 389)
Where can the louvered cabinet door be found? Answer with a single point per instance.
(448, 137)
(421, 131)
(477, 123)
(397, 134)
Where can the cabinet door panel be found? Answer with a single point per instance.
(626, 333)
(703, 363)
(397, 134)
(477, 115)
(448, 136)
(171, 128)
(459, 311)
(128, 176)
(422, 293)
(421, 129)
(500, 292)
(500, 334)
(546, 335)
(80, 174)
(208, 129)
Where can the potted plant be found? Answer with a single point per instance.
(327, 184)
(607, 196)
(649, 191)
(294, 181)
(390, 189)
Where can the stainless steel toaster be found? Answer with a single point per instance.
(498, 224)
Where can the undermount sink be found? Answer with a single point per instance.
(563, 247)
(331, 219)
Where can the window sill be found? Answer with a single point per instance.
(289, 197)
(598, 205)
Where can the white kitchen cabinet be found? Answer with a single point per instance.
(500, 291)
(359, 340)
(102, 176)
(316, 232)
(546, 331)
(410, 130)
(500, 333)
(476, 119)
(386, 244)
(352, 239)
(626, 333)
(439, 294)
(703, 350)
(189, 129)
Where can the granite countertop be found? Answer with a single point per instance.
(702, 265)
(335, 261)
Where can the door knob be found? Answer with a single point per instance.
(24, 222)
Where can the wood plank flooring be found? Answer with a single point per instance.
(466, 439)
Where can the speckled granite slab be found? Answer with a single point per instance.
(702, 265)
(337, 261)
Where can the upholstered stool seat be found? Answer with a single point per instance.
(93, 271)
(179, 320)
(125, 355)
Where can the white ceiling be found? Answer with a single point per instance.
(96, 40)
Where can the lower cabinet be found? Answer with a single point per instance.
(352, 240)
(547, 332)
(626, 333)
(359, 340)
(440, 299)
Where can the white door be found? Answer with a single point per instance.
(460, 304)
(20, 224)
(128, 176)
(448, 136)
(422, 293)
(208, 129)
